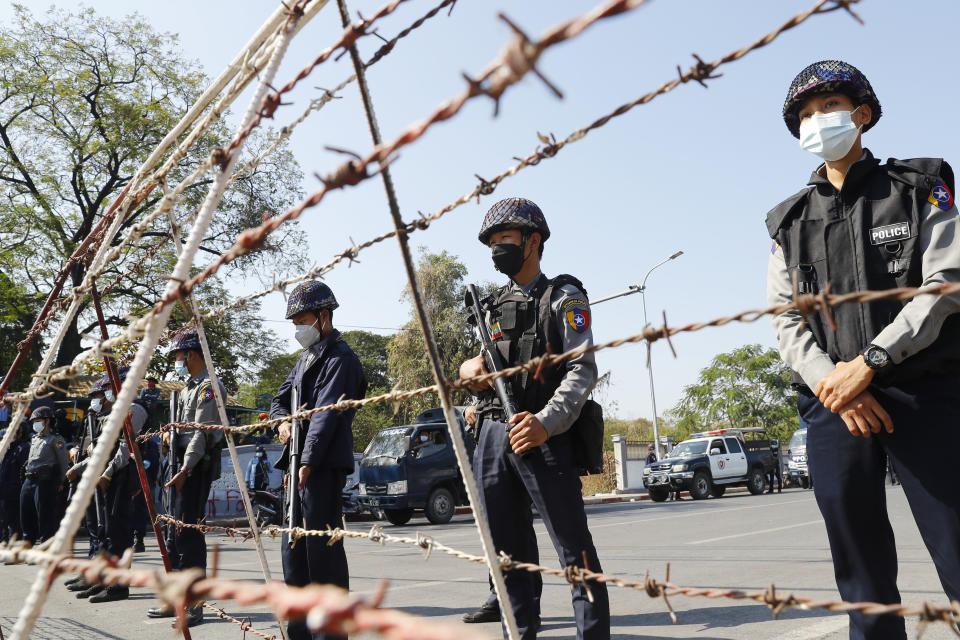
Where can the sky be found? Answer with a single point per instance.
(694, 170)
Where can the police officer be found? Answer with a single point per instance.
(776, 471)
(258, 471)
(112, 529)
(150, 452)
(527, 317)
(47, 462)
(651, 454)
(326, 371)
(197, 454)
(885, 382)
(11, 483)
(150, 399)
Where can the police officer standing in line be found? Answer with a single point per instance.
(11, 483)
(46, 465)
(150, 399)
(198, 464)
(527, 317)
(258, 471)
(776, 470)
(150, 452)
(117, 486)
(326, 371)
(886, 383)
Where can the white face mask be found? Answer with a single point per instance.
(180, 368)
(38, 427)
(95, 405)
(306, 334)
(829, 135)
(108, 394)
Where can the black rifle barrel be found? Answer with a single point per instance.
(293, 469)
(172, 450)
(495, 363)
(91, 420)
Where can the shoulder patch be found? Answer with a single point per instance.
(773, 247)
(940, 196)
(578, 318)
(208, 394)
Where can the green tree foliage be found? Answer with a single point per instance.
(83, 100)
(372, 349)
(18, 308)
(268, 379)
(441, 277)
(746, 387)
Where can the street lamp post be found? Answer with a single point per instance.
(642, 289)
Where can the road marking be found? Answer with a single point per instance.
(758, 531)
(816, 630)
(707, 511)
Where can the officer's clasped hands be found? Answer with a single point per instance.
(844, 383)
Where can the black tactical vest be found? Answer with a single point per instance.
(523, 327)
(866, 236)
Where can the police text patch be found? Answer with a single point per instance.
(890, 233)
(573, 302)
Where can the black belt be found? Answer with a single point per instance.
(40, 474)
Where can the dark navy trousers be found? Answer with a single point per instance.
(115, 534)
(547, 475)
(848, 477)
(38, 508)
(313, 559)
(188, 547)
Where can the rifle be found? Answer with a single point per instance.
(491, 355)
(91, 420)
(172, 451)
(293, 468)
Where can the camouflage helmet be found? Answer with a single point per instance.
(186, 340)
(101, 385)
(310, 296)
(514, 213)
(41, 412)
(828, 76)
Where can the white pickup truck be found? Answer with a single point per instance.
(709, 462)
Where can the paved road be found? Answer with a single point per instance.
(738, 541)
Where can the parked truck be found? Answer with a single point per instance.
(797, 471)
(413, 468)
(709, 462)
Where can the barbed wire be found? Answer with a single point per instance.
(777, 602)
(700, 72)
(325, 608)
(245, 625)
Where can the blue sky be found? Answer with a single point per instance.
(695, 170)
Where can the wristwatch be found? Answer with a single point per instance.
(876, 357)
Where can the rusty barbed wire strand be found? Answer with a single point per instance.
(325, 608)
(331, 94)
(805, 304)
(699, 72)
(245, 625)
(350, 35)
(778, 603)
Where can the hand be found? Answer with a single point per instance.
(864, 415)
(103, 483)
(472, 368)
(304, 474)
(283, 431)
(177, 481)
(470, 415)
(72, 475)
(165, 438)
(844, 383)
(72, 454)
(529, 432)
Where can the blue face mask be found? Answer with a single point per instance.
(180, 368)
(38, 427)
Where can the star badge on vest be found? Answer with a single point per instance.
(578, 319)
(495, 331)
(940, 196)
(207, 394)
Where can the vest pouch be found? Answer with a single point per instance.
(508, 316)
(807, 281)
(587, 434)
(891, 260)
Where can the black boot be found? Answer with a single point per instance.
(483, 614)
(194, 616)
(112, 593)
(163, 611)
(138, 544)
(92, 590)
